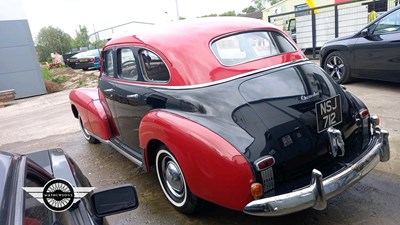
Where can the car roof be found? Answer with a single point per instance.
(185, 47)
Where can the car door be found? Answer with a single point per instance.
(137, 70)
(106, 87)
(376, 55)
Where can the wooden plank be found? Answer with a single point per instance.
(7, 95)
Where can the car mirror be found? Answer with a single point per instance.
(114, 200)
(365, 32)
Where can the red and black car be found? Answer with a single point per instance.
(230, 111)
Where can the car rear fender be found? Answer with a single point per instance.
(213, 168)
(88, 106)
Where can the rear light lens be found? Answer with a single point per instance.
(257, 190)
(264, 163)
(92, 60)
(364, 113)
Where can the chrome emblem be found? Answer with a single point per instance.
(336, 142)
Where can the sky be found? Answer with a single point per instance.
(100, 14)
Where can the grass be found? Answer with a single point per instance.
(49, 75)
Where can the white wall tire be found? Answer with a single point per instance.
(173, 182)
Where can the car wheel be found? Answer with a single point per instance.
(173, 183)
(84, 69)
(88, 137)
(337, 67)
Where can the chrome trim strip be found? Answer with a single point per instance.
(108, 142)
(319, 191)
(142, 84)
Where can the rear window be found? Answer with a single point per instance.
(244, 47)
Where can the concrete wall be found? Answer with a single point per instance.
(19, 66)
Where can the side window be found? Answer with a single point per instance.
(389, 24)
(108, 64)
(153, 67)
(34, 211)
(127, 68)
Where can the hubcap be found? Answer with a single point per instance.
(173, 178)
(84, 131)
(335, 67)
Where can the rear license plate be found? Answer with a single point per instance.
(83, 60)
(329, 113)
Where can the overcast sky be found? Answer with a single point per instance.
(100, 14)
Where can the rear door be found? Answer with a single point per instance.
(377, 56)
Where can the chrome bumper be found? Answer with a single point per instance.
(320, 190)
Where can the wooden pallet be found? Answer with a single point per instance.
(6, 96)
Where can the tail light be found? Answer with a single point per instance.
(92, 60)
(364, 113)
(264, 163)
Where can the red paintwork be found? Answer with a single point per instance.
(214, 169)
(185, 47)
(94, 117)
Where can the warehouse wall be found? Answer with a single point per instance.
(19, 66)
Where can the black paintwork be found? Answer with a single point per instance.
(369, 55)
(246, 113)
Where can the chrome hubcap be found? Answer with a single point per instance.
(335, 67)
(173, 178)
(84, 131)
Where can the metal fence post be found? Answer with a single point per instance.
(336, 21)
(314, 32)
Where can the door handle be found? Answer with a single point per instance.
(133, 97)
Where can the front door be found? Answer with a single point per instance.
(377, 56)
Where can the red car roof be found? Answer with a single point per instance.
(185, 47)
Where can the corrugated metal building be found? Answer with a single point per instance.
(19, 66)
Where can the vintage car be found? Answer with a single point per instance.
(230, 111)
(18, 173)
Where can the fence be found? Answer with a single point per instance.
(313, 27)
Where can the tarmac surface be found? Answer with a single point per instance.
(46, 122)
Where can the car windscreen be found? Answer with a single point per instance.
(244, 47)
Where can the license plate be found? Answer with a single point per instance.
(329, 113)
(72, 60)
(83, 60)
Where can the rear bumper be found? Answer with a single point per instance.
(87, 65)
(320, 190)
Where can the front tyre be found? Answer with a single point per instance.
(88, 137)
(337, 66)
(173, 183)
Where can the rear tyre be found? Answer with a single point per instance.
(85, 69)
(88, 137)
(337, 66)
(173, 183)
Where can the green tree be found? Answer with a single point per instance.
(51, 39)
(99, 43)
(249, 9)
(82, 37)
(259, 4)
(210, 15)
(228, 13)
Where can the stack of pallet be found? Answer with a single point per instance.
(6, 96)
